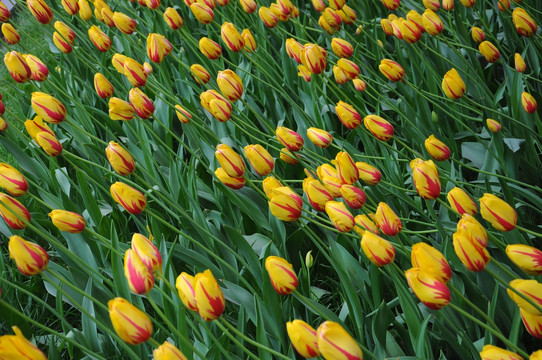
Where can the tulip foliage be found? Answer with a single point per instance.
(219, 179)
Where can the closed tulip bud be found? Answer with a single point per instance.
(527, 258)
(200, 74)
(143, 106)
(503, 5)
(289, 138)
(235, 183)
(40, 10)
(250, 42)
(230, 161)
(431, 4)
(304, 73)
(392, 70)
(61, 44)
(139, 277)
(260, 159)
(173, 19)
(528, 102)
(269, 184)
(13, 212)
(186, 287)
(319, 5)
(285, 204)
(474, 256)
(428, 287)
(490, 352)
(531, 289)
(348, 115)
(33, 127)
(168, 351)
(282, 275)
(378, 250)
(490, 51)
(346, 168)
(249, 6)
(341, 77)
(30, 258)
(432, 22)
(10, 34)
(66, 33)
(437, 149)
(368, 173)
(17, 66)
(70, 6)
(152, 4)
(335, 343)
(38, 69)
(477, 34)
(448, 4)
(426, 257)
(99, 38)
(294, 49)
(157, 47)
(16, 346)
(319, 137)
(135, 72)
(502, 216)
(303, 338)
(208, 96)
(332, 17)
(4, 12)
(493, 125)
(124, 23)
(453, 85)
(209, 48)
(231, 37)
(147, 67)
(468, 3)
(103, 87)
(471, 228)
(12, 180)
(67, 221)
(387, 220)
(121, 161)
(341, 218)
(353, 196)
(532, 323)
(461, 202)
(325, 25)
(147, 252)
(230, 84)
(313, 59)
(108, 17)
(317, 193)
(365, 222)
(524, 23)
(84, 10)
(118, 61)
(396, 26)
(333, 184)
(349, 67)
(129, 198)
(379, 127)
(410, 31)
(131, 324)
(426, 179)
(49, 143)
(120, 109)
(391, 4)
(387, 27)
(209, 297)
(519, 63)
(342, 48)
(203, 13)
(182, 114)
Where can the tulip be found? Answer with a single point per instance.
(332, 17)
(17, 346)
(269, 184)
(17, 66)
(235, 183)
(448, 4)
(303, 338)
(396, 26)
(468, 3)
(342, 48)
(134, 72)
(341, 77)
(341, 218)
(333, 184)
(335, 343)
(203, 13)
(349, 67)
(249, 6)
(209, 48)
(502, 216)
(532, 323)
(182, 114)
(108, 17)
(319, 137)
(387, 220)
(173, 19)
(124, 23)
(348, 115)
(30, 258)
(38, 69)
(392, 70)
(84, 10)
(168, 351)
(410, 31)
(70, 6)
(524, 23)
(317, 194)
(231, 37)
(490, 51)
(250, 42)
(319, 5)
(118, 61)
(493, 125)
(426, 179)
(282, 275)
(156, 51)
(49, 143)
(428, 287)
(285, 204)
(209, 297)
(293, 49)
(378, 250)
(103, 87)
(152, 4)
(359, 85)
(527, 258)
(131, 324)
(437, 149)
(379, 127)
(200, 74)
(121, 161)
(66, 34)
(503, 5)
(143, 106)
(471, 228)
(432, 22)
(40, 10)
(99, 38)
(426, 257)
(531, 289)
(10, 34)
(474, 256)
(120, 109)
(431, 4)
(48, 108)
(279, 12)
(147, 252)
(453, 85)
(304, 73)
(4, 12)
(33, 127)
(289, 138)
(461, 202)
(537, 355)
(313, 59)
(230, 161)
(67, 221)
(346, 168)
(138, 275)
(391, 4)
(368, 173)
(528, 102)
(12, 180)
(129, 198)
(386, 27)
(288, 157)
(490, 352)
(260, 159)
(324, 25)
(477, 34)
(519, 63)
(353, 196)
(230, 84)
(185, 286)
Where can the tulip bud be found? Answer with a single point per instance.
(289, 138)
(13, 212)
(260, 159)
(353, 196)
(313, 58)
(131, 324)
(134, 72)
(40, 10)
(432, 22)
(269, 184)
(519, 63)
(470, 252)
(103, 87)
(532, 323)
(249, 6)
(120, 109)
(143, 106)
(156, 51)
(368, 173)
(48, 108)
(346, 168)
(230, 161)
(200, 74)
(173, 19)
(152, 4)
(342, 48)
(319, 137)
(502, 216)
(524, 23)
(477, 34)
(30, 258)
(387, 220)
(124, 23)
(84, 10)
(350, 68)
(359, 85)
(209, 297)
(4, 12)
(317, 194)
(426, 179)
(230, 84)
(70, 6)
(64, 38)
(250, 42)
(285, 204)
(15, 346)
(429, 259)
(108, 17)
(129, 198)
(282, 275)
(437, 149)
(209, 48)
(336, 343)
(493, 125)
(17, 66)
(203, 13)
(378, 250)
(471, 228)
(410, 31)
(38, 69)
(49, 143)
(341, 218)
(503, 5)
(490, 352)
(461, 202)
(468, 3)
(67, 221)
(527, 258)
(138, 275)
(231, 182)
(531, 289)
(379, 127)
(168, 351)
(348, 115)
(10, 34)
(294, 49)
(121, 161)
(490, 51)
(432, 292)
(185, 286)
(528, 102)
(182, 114)
(431, 4)
(391, 4)
(392, 70)
(12, 180)
(99, 38)
(453, 85)
(448, 4)
(303, 338)
(147, 252)
(231, 37)
(341, 77)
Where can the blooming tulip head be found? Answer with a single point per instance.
(209, 48)
(173, 19)
(528, 102)
(48, 108)
(235, 183)
(182, 114)
(368, 173)
(120, 109)
(453, 85)
(157, 47)
(134, 72)
(67, 221)
(129, 198)
(353, 196)
(289, 138)
(12, 180)
(209, 297)
(4, 12)
(524, 23)
(527, 258)
(142, 104)
(348, 115)
(185, 287)
(250, 41)
(387, 220)
(131, 324)
(474, 256)
(531, 289)
(379, 127)
(490, 352)
(365, 223)
(17, 66)
(103, 87)
(285, 204)
(124, 23)
(341, 218)
(378, 250)
(282, 275)
(49, 143)
(426, 179)
(410, 31)
(13, 212)
(428, 258)
(350, 68)
(470, 227)
(70, 6)
(437, 149)
(121, 161)
(40, 10)
(502, 216)
(200, 74)
(38, 69)
(313, 58)
(139, 276)
(334, 342)
(147, 252)
(342, 48)
(31, 259)
(168, 351)
(461, 202)
(230, 84)
(260, 159)
(428, 287)
(359, 85)
(303, 338)
(84, 10)
(15, 346)
(391, 69)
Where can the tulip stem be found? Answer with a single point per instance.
(474, 307)
(504, 269)
(154, 342)
(529, 231)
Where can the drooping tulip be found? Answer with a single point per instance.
(30, 258)
(129, 198)
(500, 214)
(379, 127)
(428, 287)
(303, 338)
(67, 221)
(12, 346)
(131, 324)
(527, 258)
(334, 342)
(209, 297)
(12, 180)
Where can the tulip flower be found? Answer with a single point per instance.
(84, 10)
(391, 69)
(468, 3)
(250, 42)
(342, 48)
(108, 17)
(200, 74)
(317, 193)
(40, 10)
(379, 127)
(99, 38)
(157, 47)
(209, 48)
(185, 286)
(341, 77)
(48, 108)
(524, 23)
(474, 256)
(143, 106)
(249, 6)
(231, 37)
(203, 13)
(139, 277)
(147, 67)
(235, 183)
(230, 84)
(531, 289)
(428, 287)
(527, 258)
(313, 58)
(260, 159)
(17, 66)
(426, 178)
(353, 196)
(332, 17)
(282, 275)
(437, 149)
(364, 222)
(346, 168)
(471, 228)
(319, 5)
(477, 34)
(10, 34)
(289, 138)
(387, 220)
(368, 173)
(209, 297)
(134, 72)
(30, 258)
(65, 32)
(293, 49)
(118, 61)
(490, 51)
(426, 257)
(490, 352)
(303, 338)
(216, 104)
(103, 87)
(129, 198)
(168, 351)
(335, 343)
(38, 69)
(432, 22)
(147, 252)
(319, 137)
(173, 19)
(230, 161)
(417, 19)
(387, 27)
(378, 250)
(339, 215)
(453, 85)
(528, 102)
(4, 12)
(410, 31)
(67, 221)
(269, 184)
(431, 4)
(12, 180)
(120, 109)
(304, 73)
(124, 23)
(348, 115)
(396, 26)
(18, 347)
(70, 6)
(33, 127)
(519, 63)
(121, 161)
(537, 355)
(493, 125)
(502, 216)
(131, 324)
(350, 68)
(359, 85)
(49, 143)
(182, 114)
(391, 4)
(448, 4)
(532, 323)
(461, 202)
